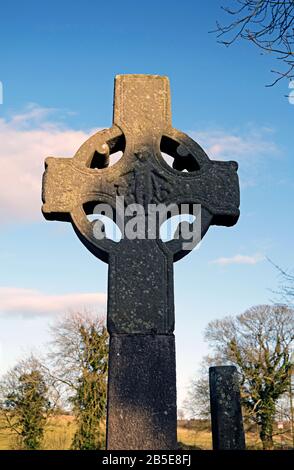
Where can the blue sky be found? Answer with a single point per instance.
(58, 62)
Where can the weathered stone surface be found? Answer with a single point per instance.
(226, 414)
(142, 120)
(142, 392)
(142, 128)
(140, 288)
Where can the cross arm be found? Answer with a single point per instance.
(67, 189)
(58, 189)
(67, 186)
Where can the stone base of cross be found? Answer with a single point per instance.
(141, 411)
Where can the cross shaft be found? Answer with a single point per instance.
(140, 318)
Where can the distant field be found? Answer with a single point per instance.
(58, 435)
(197, 435)
(60, 430)
(201, 439)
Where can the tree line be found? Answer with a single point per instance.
(72, 377)
(259, 343)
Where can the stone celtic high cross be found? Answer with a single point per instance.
(140, 319)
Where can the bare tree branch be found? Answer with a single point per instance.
(267, 24)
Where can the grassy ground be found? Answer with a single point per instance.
(197, 435)
(191, 435)
(58, 434)
(201, 438)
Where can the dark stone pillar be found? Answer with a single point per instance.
(142, 392)
(140, 314)
(226, 414)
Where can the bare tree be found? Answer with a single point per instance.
(285, 294)
(197, 403)
(285, 290)
(258, 342)
(269, 24)
(79, 362)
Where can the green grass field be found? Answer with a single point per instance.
(191, 435)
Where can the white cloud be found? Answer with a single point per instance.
(14, 300)
(26, 140)
(28, 137)
(252, 148)
(248, 144)
(239, 259)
